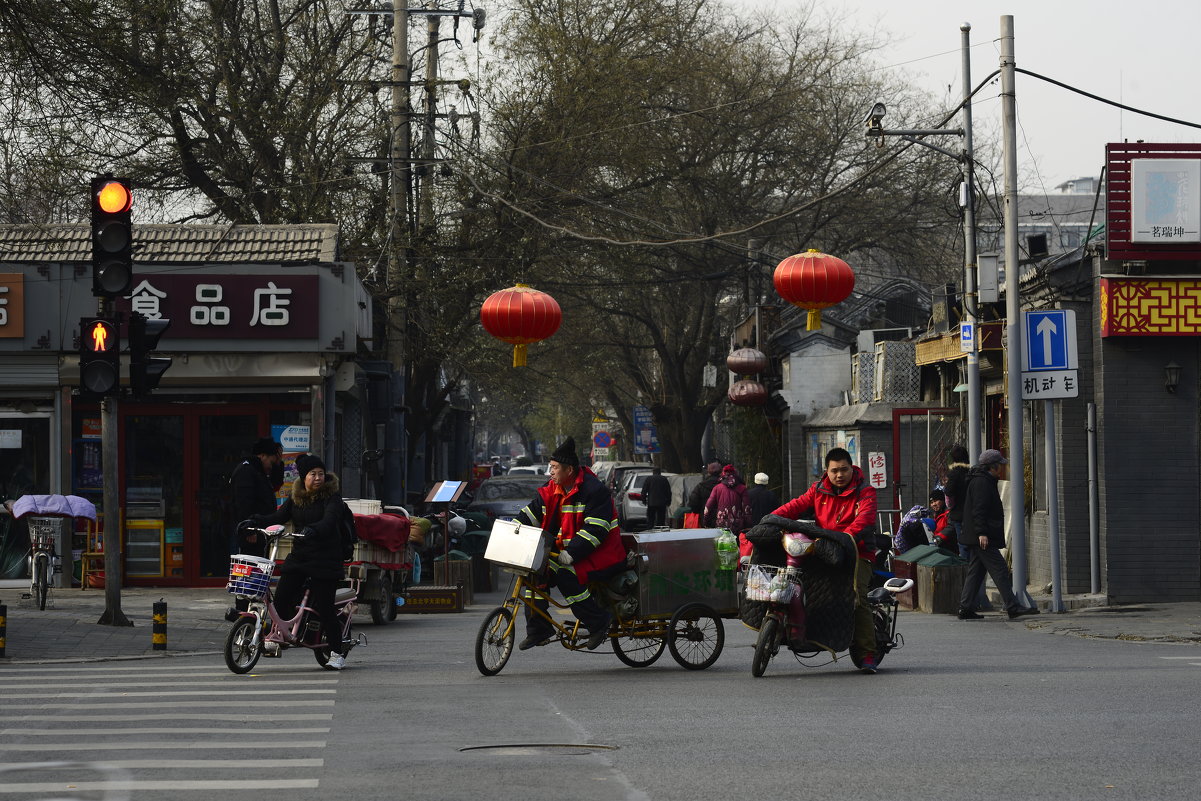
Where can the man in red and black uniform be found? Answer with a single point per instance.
(843, 500)
(576, 508)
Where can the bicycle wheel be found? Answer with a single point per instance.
(765, 646)
(639, 650)
(695, 636)
(494, 642)
(41, 581)
(241, 652)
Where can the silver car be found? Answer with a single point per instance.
(631, 507)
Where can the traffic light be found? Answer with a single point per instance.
(145, 370)
(99, 357)
(112, 237)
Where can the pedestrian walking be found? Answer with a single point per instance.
(983, 534)
(656, 493)
(728, 506)
(958, 467)
(700, 493)
(762, 499)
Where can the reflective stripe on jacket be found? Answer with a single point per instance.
(583, 522)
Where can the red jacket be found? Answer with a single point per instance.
(584, 522)
(852, 510)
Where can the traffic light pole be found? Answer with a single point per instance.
(112, 616)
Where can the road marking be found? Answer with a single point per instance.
(139, 669)
(155, 746)
(226, 675)
(138, 764)
(75, 705)
(225, 716)
(224, 730)
(159, 694)
(172, 785)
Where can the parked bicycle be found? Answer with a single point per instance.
(261, 631)
(41, 558)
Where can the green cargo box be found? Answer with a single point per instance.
(922, 595)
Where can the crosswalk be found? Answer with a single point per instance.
(134, 731)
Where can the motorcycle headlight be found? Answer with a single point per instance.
(797, 546)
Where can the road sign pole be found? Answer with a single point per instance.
(1053, 507)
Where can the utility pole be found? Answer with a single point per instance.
(399, 172)
(1013, 314)
(970, 299)
(428, 171)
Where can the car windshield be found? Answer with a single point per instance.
(504, 490)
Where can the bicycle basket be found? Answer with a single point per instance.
(249, 575)
(770, 583)
(41, 533)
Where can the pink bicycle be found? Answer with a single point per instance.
(261, 631)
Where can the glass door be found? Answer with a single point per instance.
(154, 495)
(223, 441)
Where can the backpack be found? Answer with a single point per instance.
(350, 536)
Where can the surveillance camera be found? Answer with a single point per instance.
(875, 116)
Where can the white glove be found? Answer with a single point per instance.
(564, 557)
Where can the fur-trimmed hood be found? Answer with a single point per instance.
(302, 497)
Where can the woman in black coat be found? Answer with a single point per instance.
(317, 511)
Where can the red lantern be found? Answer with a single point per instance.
(813, 281)
(746, 361)
(520, 315)
(747, 393)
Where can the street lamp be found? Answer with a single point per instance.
(876, 130)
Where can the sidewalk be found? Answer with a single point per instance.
(68, 632)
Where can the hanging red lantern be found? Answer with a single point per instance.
(747, 361)
(813, 281)
(520, 315)
(747, 393)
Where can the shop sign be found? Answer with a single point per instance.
(254, 307)
(12, 305)
(294, 439)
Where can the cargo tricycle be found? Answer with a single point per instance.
(672, 595)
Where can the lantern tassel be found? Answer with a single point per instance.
(519, 355)
(814, 321)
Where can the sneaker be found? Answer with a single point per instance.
(869, 664)
(968, 614)
(336, 662)
(1021, 611)
(272, 649)
(533, 639)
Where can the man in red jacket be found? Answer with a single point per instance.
(843, 500)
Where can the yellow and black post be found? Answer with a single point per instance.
(158, 630)
(3, 628)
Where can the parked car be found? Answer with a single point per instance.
(502, 497)
(608, 473)
(631, 508)
(528, 470)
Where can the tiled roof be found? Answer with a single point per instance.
(179, 244)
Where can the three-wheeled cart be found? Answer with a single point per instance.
(673, 595)
(382, 563)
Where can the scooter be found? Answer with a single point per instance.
(802, 583)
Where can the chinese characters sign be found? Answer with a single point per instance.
(1165, 200)
(646, 436)
(231, 306)
(877, 469)
(12, 305)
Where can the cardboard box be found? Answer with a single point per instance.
(431, 599)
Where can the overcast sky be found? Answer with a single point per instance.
(1146, 55)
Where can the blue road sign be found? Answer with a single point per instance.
(967, 337)
(1050, 340)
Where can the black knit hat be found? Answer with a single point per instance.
(565, 453)
(308, 462)
(265, 445)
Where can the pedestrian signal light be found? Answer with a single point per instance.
(112, 237)
(145, 371)
(99, 357)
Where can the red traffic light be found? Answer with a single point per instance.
(114, 197)
(100, 336)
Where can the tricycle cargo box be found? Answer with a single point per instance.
(679, 566)
(516, 546)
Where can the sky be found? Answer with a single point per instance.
(1143, 54)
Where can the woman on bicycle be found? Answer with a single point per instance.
(316, 511)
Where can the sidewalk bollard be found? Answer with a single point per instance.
(158, 630)
(3, 627)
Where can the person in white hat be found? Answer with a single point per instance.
(762, 499)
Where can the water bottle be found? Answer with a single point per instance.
(727, 550)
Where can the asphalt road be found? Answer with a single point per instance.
(965, 710)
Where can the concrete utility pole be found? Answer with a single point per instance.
(970, 300)
(397, 323)
(428, 171)
(1013, 318)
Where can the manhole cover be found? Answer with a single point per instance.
(535, 749)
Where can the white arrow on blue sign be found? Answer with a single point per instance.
(1050, 340)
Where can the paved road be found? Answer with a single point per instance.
(967, 709)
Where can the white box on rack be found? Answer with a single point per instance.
(365, 506)
(516, 546)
